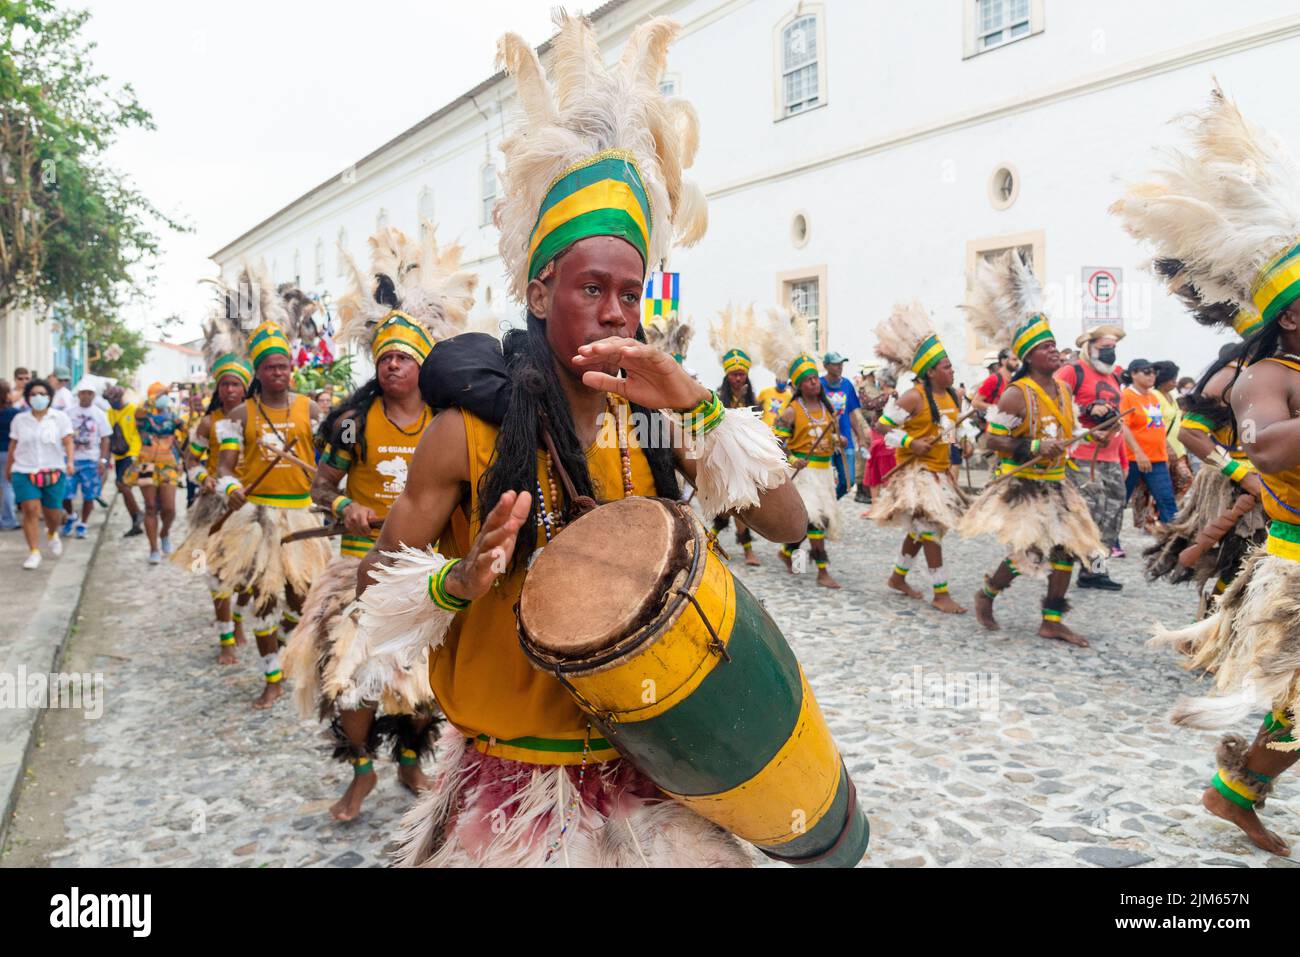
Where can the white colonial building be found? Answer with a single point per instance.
(171, 362)
(856, 152)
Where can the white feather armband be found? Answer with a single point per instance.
(895, 438)
(398, 619)
(1004, 419)
(894, 414)
(228, 432)
(735, 461)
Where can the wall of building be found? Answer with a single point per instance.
(891, 171)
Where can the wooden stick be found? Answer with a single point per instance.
(1099, 427)
(1217, 530)
(275, 460)
(325, 531)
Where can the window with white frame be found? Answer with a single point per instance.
(381, 219)
(340, 260)
(804, 296)
(424, 210)
(995, 23)
(297, 268)
(802, 82)
(487, 185)
(320, 261)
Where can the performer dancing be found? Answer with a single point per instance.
(1029, 506)
(223, 347)
(414, 295)
(730, 337)
(809, 430)
(520, 780)
(922, 493)
(265, 448)
(1230, 213)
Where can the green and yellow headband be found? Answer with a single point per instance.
(802, 367)
(1278, 285)
(735, 359)
(601, 196)
(397, 330)
(1032, 334)
(1247, 322)
(231, 364)
(927, 355)
(268, 340)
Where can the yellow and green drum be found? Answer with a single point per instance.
(685, 674)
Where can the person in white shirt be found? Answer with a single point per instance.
(90, 435)
(40, 459)
(61, 398)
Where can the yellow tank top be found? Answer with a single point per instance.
(376, 481)
(1281, 498)
(1046, 417)
(480, 677)
(922, 425)
(214, 447)
(819, 430)
(287, 485)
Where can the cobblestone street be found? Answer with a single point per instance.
(1063, 757)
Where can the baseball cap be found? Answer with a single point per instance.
(834, 357)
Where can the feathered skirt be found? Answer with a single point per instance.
(1251, 644)
(192, 552)
(1210, 495)
(916, 494)
(485, 811)
(816, 486)
(1031, 517)
(246, 554)
(324, 654)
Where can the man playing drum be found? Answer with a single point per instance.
(521, 779)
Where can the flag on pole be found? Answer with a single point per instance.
(663, 293)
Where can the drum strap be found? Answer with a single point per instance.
(582, 503)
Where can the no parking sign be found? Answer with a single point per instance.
(1102, 288)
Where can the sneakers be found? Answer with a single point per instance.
(137, 527)
(56, 546)
(1102, 582)
(33, 561)
(861, 497)
(67, 525)
(155, 557)
(81, 529)
(166, 544)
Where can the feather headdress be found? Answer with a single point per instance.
(1006, 304)
(734, 336)
(241, 308)
(1224, 217)
(414, 294)
(300, 326)
(786, 345)
(907, 340)
(599, 154)
(671, 334)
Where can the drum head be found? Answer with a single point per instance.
(602, 577)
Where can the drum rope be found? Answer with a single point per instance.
(715, 643)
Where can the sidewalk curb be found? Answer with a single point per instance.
(39, 652)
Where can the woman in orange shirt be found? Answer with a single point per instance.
(1148, 447)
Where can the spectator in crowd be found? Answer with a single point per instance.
(62, 399)
(22, 376)
(8, 409)
(90, 436)
(1149, 466)
(882, 458)
(1002, 366)
(1094, 381)
(1180, 472)
(121, 418)
(843, 397)
(157, 470)
(39, 460)
(1186, 385)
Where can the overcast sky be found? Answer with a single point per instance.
(257, 102)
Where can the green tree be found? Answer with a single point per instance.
(73, 231)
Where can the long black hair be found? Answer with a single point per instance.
(929, 397)
(354, 407)
(535, 397)
(725, 395)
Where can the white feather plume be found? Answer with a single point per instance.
(898, 337)
(1004, 292)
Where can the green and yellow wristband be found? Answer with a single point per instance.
(438, 593)
(705, 417)
(340, 504)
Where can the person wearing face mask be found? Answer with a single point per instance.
(1093, 380)
(39, 463)
(125, 447)
(157, 472)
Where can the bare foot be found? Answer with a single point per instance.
(1058, 629)
(239, 635)
(984, 612)
(899, 584)
(943, 601)
(751, 558)
(1246, 819)
(824, 579)
(789, 563)
(226, 656)
(412, 778)
(349, 805)
(866, 513)
(270, 694)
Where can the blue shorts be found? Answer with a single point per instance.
(51, 495)
(86, 478)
